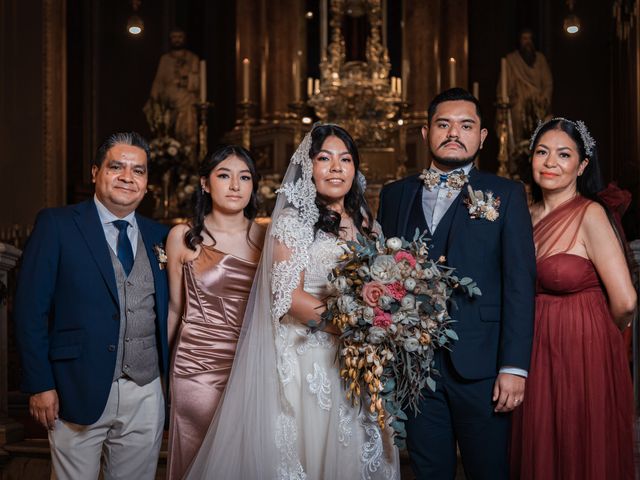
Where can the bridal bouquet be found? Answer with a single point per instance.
(390, 303)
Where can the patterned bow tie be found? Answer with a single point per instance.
(454, 181)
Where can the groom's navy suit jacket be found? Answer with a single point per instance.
(67, 311)
(495, 330)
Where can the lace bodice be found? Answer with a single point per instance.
(323, 256)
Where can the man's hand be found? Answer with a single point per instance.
(508, 392)
(43, 407)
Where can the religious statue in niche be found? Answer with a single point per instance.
(176, 85)
(529, 89)
(172, 119)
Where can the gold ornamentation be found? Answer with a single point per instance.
(356, 94)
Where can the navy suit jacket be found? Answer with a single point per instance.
(495, 330)
(67, 311)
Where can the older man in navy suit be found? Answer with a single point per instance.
(91, 323)
(483, 378)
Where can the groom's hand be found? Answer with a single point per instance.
(508, 392)
(43, 407)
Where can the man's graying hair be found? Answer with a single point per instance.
(121, 138)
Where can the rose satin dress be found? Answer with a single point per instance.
(576, 419)
(217, 287)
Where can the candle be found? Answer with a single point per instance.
(296, 80)
(309, 86)
(316, 86)
(393, 84)
(504, 95)
(203, 81)
(399, 85)
(452, 72)
(245, 79)
(405, 78)
(476, 90)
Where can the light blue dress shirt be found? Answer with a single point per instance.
(111, 232)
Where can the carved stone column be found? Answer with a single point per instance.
(10, 431)
(421, 52)
(284, 47)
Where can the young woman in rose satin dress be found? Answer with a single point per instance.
(211, 266)
(576, 421)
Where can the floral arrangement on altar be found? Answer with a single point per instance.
(267, 188)
(167, 152)
(390, 303)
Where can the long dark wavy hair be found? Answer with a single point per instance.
(355, 204)
(590, 183)
(202, 199)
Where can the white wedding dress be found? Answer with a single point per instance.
(322, 418)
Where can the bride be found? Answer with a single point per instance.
(285, 414)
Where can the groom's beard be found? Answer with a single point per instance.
(454, 162)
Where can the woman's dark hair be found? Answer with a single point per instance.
(590, 182)
(355, 204)
(202, 199)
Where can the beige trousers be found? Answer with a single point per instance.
(126, 439)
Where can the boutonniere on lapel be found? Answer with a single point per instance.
(482, 204)
(161, 255)
(454, 181)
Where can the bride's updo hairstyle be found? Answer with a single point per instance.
(590, 182)
(202, 199)
(355, 204)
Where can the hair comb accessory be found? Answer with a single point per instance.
(587, 140)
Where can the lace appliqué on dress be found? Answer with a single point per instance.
(284, 350)
(345, 427)
(320, 386)
(373, 451)
(318, 339)
(290, 467)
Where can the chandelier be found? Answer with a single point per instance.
(358, 94)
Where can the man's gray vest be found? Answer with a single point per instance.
(137, 356)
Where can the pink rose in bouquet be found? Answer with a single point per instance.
(371, 293)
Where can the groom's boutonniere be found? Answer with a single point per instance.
(161, 255)
(482, 204)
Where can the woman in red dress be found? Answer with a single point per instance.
(576, 421)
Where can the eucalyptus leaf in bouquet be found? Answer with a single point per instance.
(391, 303)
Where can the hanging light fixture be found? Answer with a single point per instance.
(571, 21)
(135, 25)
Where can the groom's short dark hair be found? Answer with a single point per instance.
(451, 95)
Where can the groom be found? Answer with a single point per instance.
(483, 378)
(91, 323)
